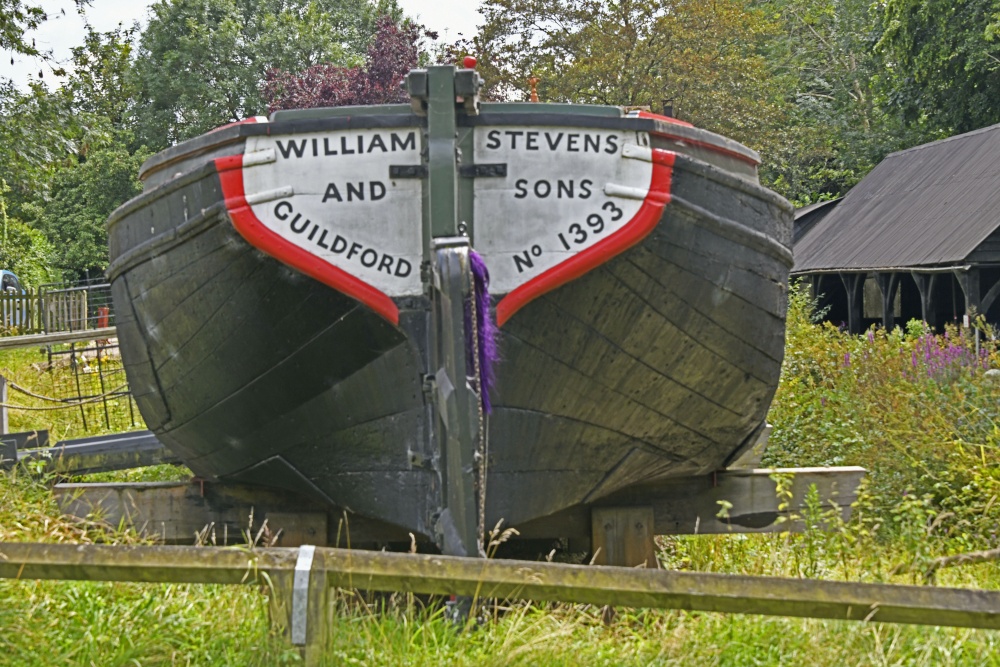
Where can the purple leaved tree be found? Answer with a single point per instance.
(390, 56)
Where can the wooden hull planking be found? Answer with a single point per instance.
(659, 362)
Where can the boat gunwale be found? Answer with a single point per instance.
(162, 190)
(704, 138)
(233, 134)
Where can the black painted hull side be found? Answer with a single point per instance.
(661, 362)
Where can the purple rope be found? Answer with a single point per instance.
(489, 352)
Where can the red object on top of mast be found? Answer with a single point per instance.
(469, 62)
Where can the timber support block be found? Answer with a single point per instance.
(623, 536)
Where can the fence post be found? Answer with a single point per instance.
(3, 405)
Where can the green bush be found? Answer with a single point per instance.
(913, 407)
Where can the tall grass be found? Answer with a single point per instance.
(914, 408)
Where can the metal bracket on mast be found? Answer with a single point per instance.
(459, 528)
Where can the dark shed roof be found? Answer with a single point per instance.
(928, 205)
(807, 217)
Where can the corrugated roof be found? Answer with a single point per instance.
(808, 216)
(927, 205)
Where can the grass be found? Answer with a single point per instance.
(913, 408)
(54, 376)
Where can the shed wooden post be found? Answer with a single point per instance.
(969, 282)
(854, 284)
(925, 285)
(888, 285)
(991, 295)
(623, 536)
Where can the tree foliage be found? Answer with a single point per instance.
(101, 81)
(83, 196)
(945, 60)
(703, 57)
(392, 53)
(38, 132)
(200, 63)
(16, 18)
(23, 250)
(840, 123)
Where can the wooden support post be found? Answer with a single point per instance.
(854, 284)
(969, 282)
(14, 446)
(888, 285)
(690, 505)
(177, 512)
(925, 285)
(101, 453)
(623, 536)
(990, 297)
(41, 340)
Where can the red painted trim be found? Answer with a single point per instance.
(253, 230)
(712, 147)
(694, 142)
(245, 121)
(634, 231)
(665, 119)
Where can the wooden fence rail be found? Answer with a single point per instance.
(304, 575)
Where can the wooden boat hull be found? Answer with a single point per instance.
(660, 361)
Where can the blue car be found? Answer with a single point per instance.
(9, 283)
(12, 313)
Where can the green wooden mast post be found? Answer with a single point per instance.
(441, 93)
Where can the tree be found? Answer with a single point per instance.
(101, 82)
(201, 63)
(83, 196)
(703, 57)
(840, 123)
(16, 18)
(393, 52)
(944, 58)
(38, 131)
(23, 250)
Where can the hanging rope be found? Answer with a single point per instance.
(65, 403)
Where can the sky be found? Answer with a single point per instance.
(65, 27)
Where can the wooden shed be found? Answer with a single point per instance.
(918, 238)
